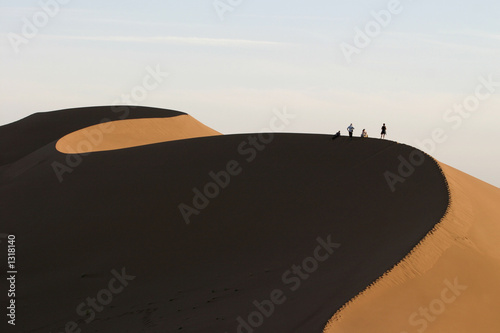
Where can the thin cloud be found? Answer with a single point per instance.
(462, 47)
(173, 40)
(441, 40)
(473, 33)
(294, 18)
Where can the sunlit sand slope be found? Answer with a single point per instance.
(449, 283)
(132, 133)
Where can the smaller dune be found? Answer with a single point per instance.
(132, 133)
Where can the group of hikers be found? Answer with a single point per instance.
(364, 134)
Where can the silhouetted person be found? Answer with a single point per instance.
(336, 135)
(350, 129)
(384, 132)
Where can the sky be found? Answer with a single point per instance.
(428, 69)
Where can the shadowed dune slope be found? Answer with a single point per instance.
(25, 136)
(449, 283)
(259, 235)
(132, 133)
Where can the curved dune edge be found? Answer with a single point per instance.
(448, 282)
(129, 133)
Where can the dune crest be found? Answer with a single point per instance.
(129, 133)
(449, 282)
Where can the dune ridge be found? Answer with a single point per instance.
(123, 209)
(383, 305)
(25, 136)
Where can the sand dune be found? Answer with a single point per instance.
(287, 229)
(27, 135)
(449, 283)
(132, 133)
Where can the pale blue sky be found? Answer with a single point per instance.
(231, 74)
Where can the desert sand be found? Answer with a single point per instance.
(266, 235)
(32, 133)
(462, 250)
(128, 133)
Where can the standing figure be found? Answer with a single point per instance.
(384, 132)
(350, 129)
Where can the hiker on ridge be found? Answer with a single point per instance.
(364, 134)
(350, 129)
(384, 132)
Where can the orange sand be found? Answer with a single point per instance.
(415, 297)
(132, 133)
